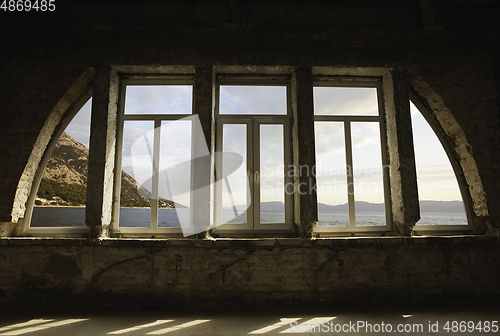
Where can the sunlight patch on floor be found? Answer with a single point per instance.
(41, 327)
(178, 327)
(142, 326)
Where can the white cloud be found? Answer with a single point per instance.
(159, 99)
(345, 101)
(79, 127)
(253, 100)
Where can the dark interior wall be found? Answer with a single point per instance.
(43, 55)
(286, 271)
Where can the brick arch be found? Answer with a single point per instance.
(461, 148)
(68, 102)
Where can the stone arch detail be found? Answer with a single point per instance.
(68, 102)
(460, 145)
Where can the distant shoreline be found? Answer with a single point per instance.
(83, 206)
(59, 206)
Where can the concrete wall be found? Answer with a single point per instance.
(452, 63)
(248, 272)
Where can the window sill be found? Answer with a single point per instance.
(245, 242)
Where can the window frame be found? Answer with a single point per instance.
(322, 76)
(360, 82)
(25, 226)
(166, 80)
(253, 122)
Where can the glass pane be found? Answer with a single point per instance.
(159, 99)
(234, 184)
(272, 179)
(61, 196)
(331, 178)
(345, 101)
(367, 173)
(175, 173)
(440, 199)
(137, 170)
(253, 100)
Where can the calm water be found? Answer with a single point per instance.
(60, 216)
(132, 217)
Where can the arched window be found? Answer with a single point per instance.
(440, 198)
(353, 136)
(62, 178)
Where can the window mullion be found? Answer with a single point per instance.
(155, 180)
(403, 182)
(350, 177)
(118, 157)
(101, 155)
(254, 159)
(305, 203)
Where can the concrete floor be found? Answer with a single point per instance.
(263, 321)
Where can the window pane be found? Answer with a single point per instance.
(137, 170)
(331, 175)
(272, 179)
(345, 101)
(175, 173)
(234, 184)
(367, 172)
(255, 100)
(60, 199)
(439, 195)
(159, 99)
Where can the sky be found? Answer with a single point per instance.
(435, 176)
(436, 180)
(79, 127)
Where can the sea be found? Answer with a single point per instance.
(140, 217)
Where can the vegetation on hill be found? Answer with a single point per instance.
(71, 194)
(64, 180)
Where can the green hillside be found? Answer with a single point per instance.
(64, 180)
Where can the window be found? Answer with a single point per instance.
(154, 157)
(250, 158)
(351, 168)
(441, 205)
(59, 202)
(253, 121)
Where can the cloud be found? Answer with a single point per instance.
(345, 101)
(132, 131)
(253, 100)
(79, 127)
(159, 99)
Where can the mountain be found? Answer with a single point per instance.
(64, 180)
(425, 206)
(442, 206)
(359, 206)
